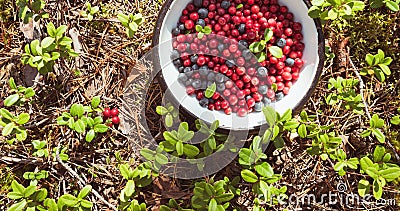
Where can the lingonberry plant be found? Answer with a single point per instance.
(35, 176)
(31, 9)
(40, 149)
(211, 195)
(259, 173)
(390, 4)
(396, 119)
(131, 22)
(344, 93)
(21, 95)
(43, 54)
(81, 118)
(141, 176)
(170, 113)
(212, 140)
(379, 171)
(378, 64)
(259, 47)
(376, 125)
(13, 126)
(176, 142)
(334, 9)
(202, 30)
(90, 11)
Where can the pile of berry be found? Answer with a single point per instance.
(245, 79)
(111, 114)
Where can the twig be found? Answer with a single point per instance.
(362, 85)
(80, 180)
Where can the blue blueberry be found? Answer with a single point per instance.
(281, 42)
(174, 55)
(180, 69)
(181, 27)
(182, 77)
(262, 71)
(219, 78)
(176, 31)
(230, 63)
(243, 44)
(189, 82)
(203, 13)
(201, 23)
(198, 3)
(247, 54)
(279, 96)
(258, 106)
(248, 97)
(196, 84)
(194, 58)
(220, 87)
(177, 63)
(266, 101)
(211, 76)
(225, 4)
(195, 67)
(203, 102)
(221, 47)
(188, 71)
(204, 70)
(289, 62)
(242, 28)
(263, 89)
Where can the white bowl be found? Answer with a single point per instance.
(313, 56)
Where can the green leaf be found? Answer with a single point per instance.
(12, 83)
(370, 59)
(6, 114)
(51, 204)
(248, 176)
(268, 33)
(8, 129)
(95, 102)
(61, 30)
(379, 152)
(357, 5)
(394, 6)
(314, 12)
(363, 187)
(212, 206)
(100, 128)
(14, 195)
(29, 92)
(86, 204)
(385, 69)
(378, 135)
(129, 188)
(133, 26)
(395, 120)
(352, 163)
(239, 6)
(11, 100)
(68, 200)
(77, 110)
(333, 14)
(210, 90)
(79, 126)
(390, 174)
(224, 197)
(162, 159)
(169, 120)
(18, 206)
(18, 188)
(264, 169)
(190, 150)
(302, 131)
(276, 51)
(365, 162)
(207, 30)
(125, 171)
(372, 172)
(317, 2)
(179, 148)
(261, 56)
(377, 189)
(46, 42)
(256, 47)
(161, 110)
(147, 154)
(199, 28)
(23, 118)
(270, 115)
(90, 135)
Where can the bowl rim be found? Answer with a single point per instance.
(300, 104)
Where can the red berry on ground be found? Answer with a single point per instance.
(115, 120)
(107, 112)
(114, 112)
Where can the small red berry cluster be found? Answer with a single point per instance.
(113, 114)
(247, 85)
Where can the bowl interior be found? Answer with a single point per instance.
(299, 90)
